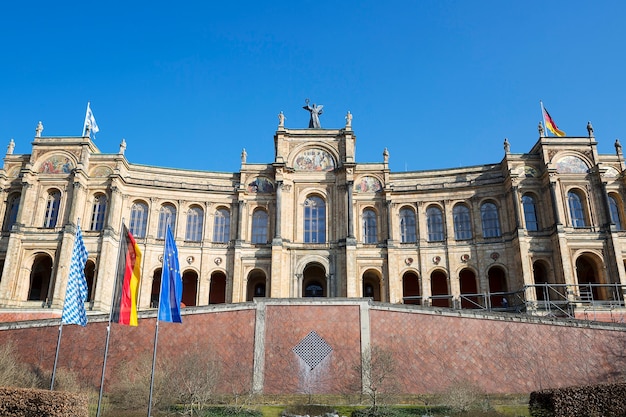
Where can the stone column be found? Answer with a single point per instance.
(239, 220)
(555, 206)
(388, 205)
(350, 211)
(279, 206)
(516, 204)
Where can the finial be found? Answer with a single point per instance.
(122, 146)
(386, 155)
(590, 129)
(11, 147)
(507, 145)
(244, 155)
(540, 129)
(349, 119)
(39, 129)
(618, 146)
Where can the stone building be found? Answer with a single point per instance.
(543, 229)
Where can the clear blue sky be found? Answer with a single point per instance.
(188, 84)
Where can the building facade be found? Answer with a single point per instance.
(539, 227)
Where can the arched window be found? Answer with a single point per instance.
(167, 216)
(138, 219)
(490, 220)
(576, 210)
(407, 226)
(52, 209)
(99, 211)
(370, 234)
(462, 222)
(259, 226)
(615, 213)
(314, 220)
(221, 226)
(530, 213)
(195, 223)
(434, 220)
(13, 206)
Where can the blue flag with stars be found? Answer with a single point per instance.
(76, 292)
(171, 282)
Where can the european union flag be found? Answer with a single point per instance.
(171, 282)
(76, 292)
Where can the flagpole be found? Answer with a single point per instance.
(56, 355)
(106, 347)
(543, 116)
(154, 354)
(86, 117)
(156, 330)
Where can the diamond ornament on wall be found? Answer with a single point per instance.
(312, 349)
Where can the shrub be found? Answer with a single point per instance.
(13, 372)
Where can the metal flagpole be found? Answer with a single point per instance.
(56, 355)
(543, 117)
(106, 348)
(156, 331)
(156, 339)
(86, 117)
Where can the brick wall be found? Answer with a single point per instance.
(431, 348)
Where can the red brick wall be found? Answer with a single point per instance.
(287, 325)
(431, 350)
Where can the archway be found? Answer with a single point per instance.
(314, 281)
(540, 274)
(588, 274)
(40, 278)
(439, 289)
(155, 292)
(257, 284)
(467, 281)
(411, 288)
(371, 285)
(497, 284)
(217, 289)
(190, 288)
(90, 277)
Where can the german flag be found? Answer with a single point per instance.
(552, 127)
(127, 281)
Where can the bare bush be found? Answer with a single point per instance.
(462, 397)
(377, 370)
(64, 380)
(130, 385)
(192, 380)
(13, 372)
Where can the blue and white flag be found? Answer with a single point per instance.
(90, 121)
(171, 282)
(76, 292)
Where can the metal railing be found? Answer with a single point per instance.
(556, 300)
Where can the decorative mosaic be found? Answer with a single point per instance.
(261, 185)
(312, 349)
(530, 172)
(56, 164)
(101, 171)
(611, 173)
(368, 185)
(314, 160)
(571, 165)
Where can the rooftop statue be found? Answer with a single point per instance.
(315, 111)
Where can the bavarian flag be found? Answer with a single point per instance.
(552, 127)
(127, 280)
